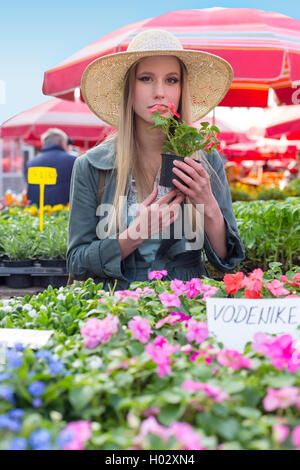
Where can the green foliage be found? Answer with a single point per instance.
(183, 140)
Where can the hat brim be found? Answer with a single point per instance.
(209, 78)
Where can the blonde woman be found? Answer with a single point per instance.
(136, 229)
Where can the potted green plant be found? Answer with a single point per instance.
(181, 140)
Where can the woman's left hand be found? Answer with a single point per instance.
(198, 181)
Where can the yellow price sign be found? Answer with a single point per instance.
(42, 175)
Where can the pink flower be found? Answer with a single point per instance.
(276, 288)
(75, 434)
(140, 328)
(193, 287)
(185, 434)
(99, 331)
(127, 294)
(280, 432)
(282, 398)
(197, 331)
(292, 296)
(154, 411)
(150, 425)
(159, 351)
(173, 109)
(169, 300)
(253, 284)
(296, 437)
(280, 350)
(187, 348)
(233, 359)
(157, 274)
(216, 393)
(158, 108)
(177, 286)
(295, 282)
(169, 319)
(208, 291)
(145, 291)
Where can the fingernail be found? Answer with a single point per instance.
(187, 159)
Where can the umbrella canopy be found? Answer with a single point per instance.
(279, 121)
(262, 149)
(74, 118)
(263, 48)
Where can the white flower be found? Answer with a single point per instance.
(61, 297)
(32, 313)
(94, 362)
(8, 308)
(44, 308)
(27, 307)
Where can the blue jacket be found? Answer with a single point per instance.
(53, 156)
(89, 256)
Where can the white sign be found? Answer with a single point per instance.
(28, 338)
(234, 322)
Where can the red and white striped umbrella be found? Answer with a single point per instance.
(263, 47)
(74, 118)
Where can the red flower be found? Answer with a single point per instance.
(172, 108)
(158, 108)
(233, 282)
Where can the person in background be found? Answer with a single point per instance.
(54, 154)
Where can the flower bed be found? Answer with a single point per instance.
(244, 192)
(137, 369)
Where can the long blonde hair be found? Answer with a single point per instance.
(127, 152)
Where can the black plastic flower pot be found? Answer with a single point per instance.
(53, 263)
(54, 281)
(18, 281)
(166, 173)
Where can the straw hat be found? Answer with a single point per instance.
(209, 76)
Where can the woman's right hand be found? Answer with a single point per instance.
(152, 217)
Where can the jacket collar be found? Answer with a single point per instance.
(52, 147)
(103, 156)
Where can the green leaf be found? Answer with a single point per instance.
(81, 396)
(229, 428)
(170, 413)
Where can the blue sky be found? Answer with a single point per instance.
(36, 36)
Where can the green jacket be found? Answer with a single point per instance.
(88, 256)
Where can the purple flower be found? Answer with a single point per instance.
(36, 388)
(16, 413)
(44, 354)
(14, 359)
(37, 402)
(18, 443)
(40, 439)
(4, 376)
(8, 423)
(7, 393)
(56, 367)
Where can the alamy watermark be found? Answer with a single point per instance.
(2, 92)
(296, 94)
(154, 223)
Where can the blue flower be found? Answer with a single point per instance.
(16, 413)
(37, 402)
(44, 354)
(7, 393)
(14, 359)
(56, 367)
(18, 443)
(40, 439)
(4, 376)
(19, 346)
(11, 424)
(36, 388)
(65, 437)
